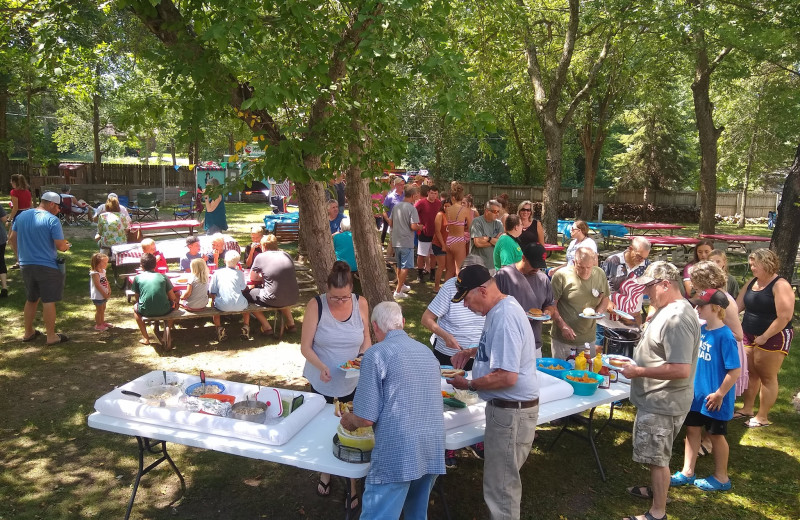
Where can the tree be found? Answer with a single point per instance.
(314, 85)
(786, 236)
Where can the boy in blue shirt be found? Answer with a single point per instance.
(717, 370)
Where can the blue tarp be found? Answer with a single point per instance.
(271, 219)
(604, 229)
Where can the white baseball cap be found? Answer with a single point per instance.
(51, 196)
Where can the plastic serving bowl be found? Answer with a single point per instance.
(212, 387)
(583, 388)
(543, 363)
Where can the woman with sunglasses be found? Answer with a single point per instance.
(335, 330)
(532, 231)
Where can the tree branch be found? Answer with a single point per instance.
(588, 85)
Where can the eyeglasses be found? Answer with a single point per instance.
(495, 211)
(340, 299)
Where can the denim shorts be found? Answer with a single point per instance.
(99, 302)
(405, 257)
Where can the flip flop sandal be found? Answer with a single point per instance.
(679, 479)
(712, 484)
(356, 499)
(32, 337)
(739, 415)
(703, 451)
(326, 488)
(753, 423)
(222, 335)
(245, 335)
(62, 338)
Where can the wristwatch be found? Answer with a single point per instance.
(470, 387)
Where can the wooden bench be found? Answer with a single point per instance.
(287, 232)
(207, 313)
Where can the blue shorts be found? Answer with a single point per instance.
(99, 302)
(438, 251)
(404, 257)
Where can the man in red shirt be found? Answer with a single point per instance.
(427, 207)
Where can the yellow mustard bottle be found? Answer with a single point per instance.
(597, 364)
(580, 362)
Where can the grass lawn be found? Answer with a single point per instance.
(55, 467)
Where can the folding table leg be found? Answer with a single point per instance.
(152, 446)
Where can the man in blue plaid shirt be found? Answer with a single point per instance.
(399, 394)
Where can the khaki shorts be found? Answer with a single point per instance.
(653, 436)
(560, 349)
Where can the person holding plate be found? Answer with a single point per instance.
(578, 288)
(335, 330)
(526, 281)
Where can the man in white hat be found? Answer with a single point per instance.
(36, 236)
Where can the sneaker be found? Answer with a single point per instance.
(400, 295)
(477, 450)
(450, 460)
(405, 288)
(3, 293)
(101, 328)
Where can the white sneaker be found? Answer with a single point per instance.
(400, 295)
(405, 288)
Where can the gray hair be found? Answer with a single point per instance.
(583, 253)
(232, 258)
(345, 224)
(664, 271)
(492, 202)
(388, 316)
(641, 243)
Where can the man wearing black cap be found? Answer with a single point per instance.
(504, 375)
(36, 236)
(525, 281)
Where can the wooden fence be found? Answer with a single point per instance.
(758, 203)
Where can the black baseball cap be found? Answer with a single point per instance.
(469, 278)
(535, 254)
(708, 296)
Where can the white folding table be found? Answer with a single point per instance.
(471, 433)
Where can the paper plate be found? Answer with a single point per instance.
(593, 317)
(543, 317)
(623, 314)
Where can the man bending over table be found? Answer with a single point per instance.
(399, 394)
(504, 375)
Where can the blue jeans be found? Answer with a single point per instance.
(382, 501)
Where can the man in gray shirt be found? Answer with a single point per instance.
(526, 282)
(405, 223)
(662, 379)
(484, 231)
(504, 375)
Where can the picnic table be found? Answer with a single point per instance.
(651, 228)
(742, 242)
(174, 227)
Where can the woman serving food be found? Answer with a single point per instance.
(335, 330)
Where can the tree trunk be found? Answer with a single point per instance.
(592, 148)
(98, 154)
(552, 183)
(786, 236)
(751, 152)
(314, 226)
(369, 255)
(5, 174)
(527, 173)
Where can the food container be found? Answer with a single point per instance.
(211, 387)
(467, 396)
(583, 388)
(161, 395)
(544, 364)
(252, 411)
(364, 439)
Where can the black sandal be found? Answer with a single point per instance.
(354, 498)
(326, 488)
(32, 337)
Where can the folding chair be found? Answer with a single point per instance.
(146, 206)
(185, 208)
